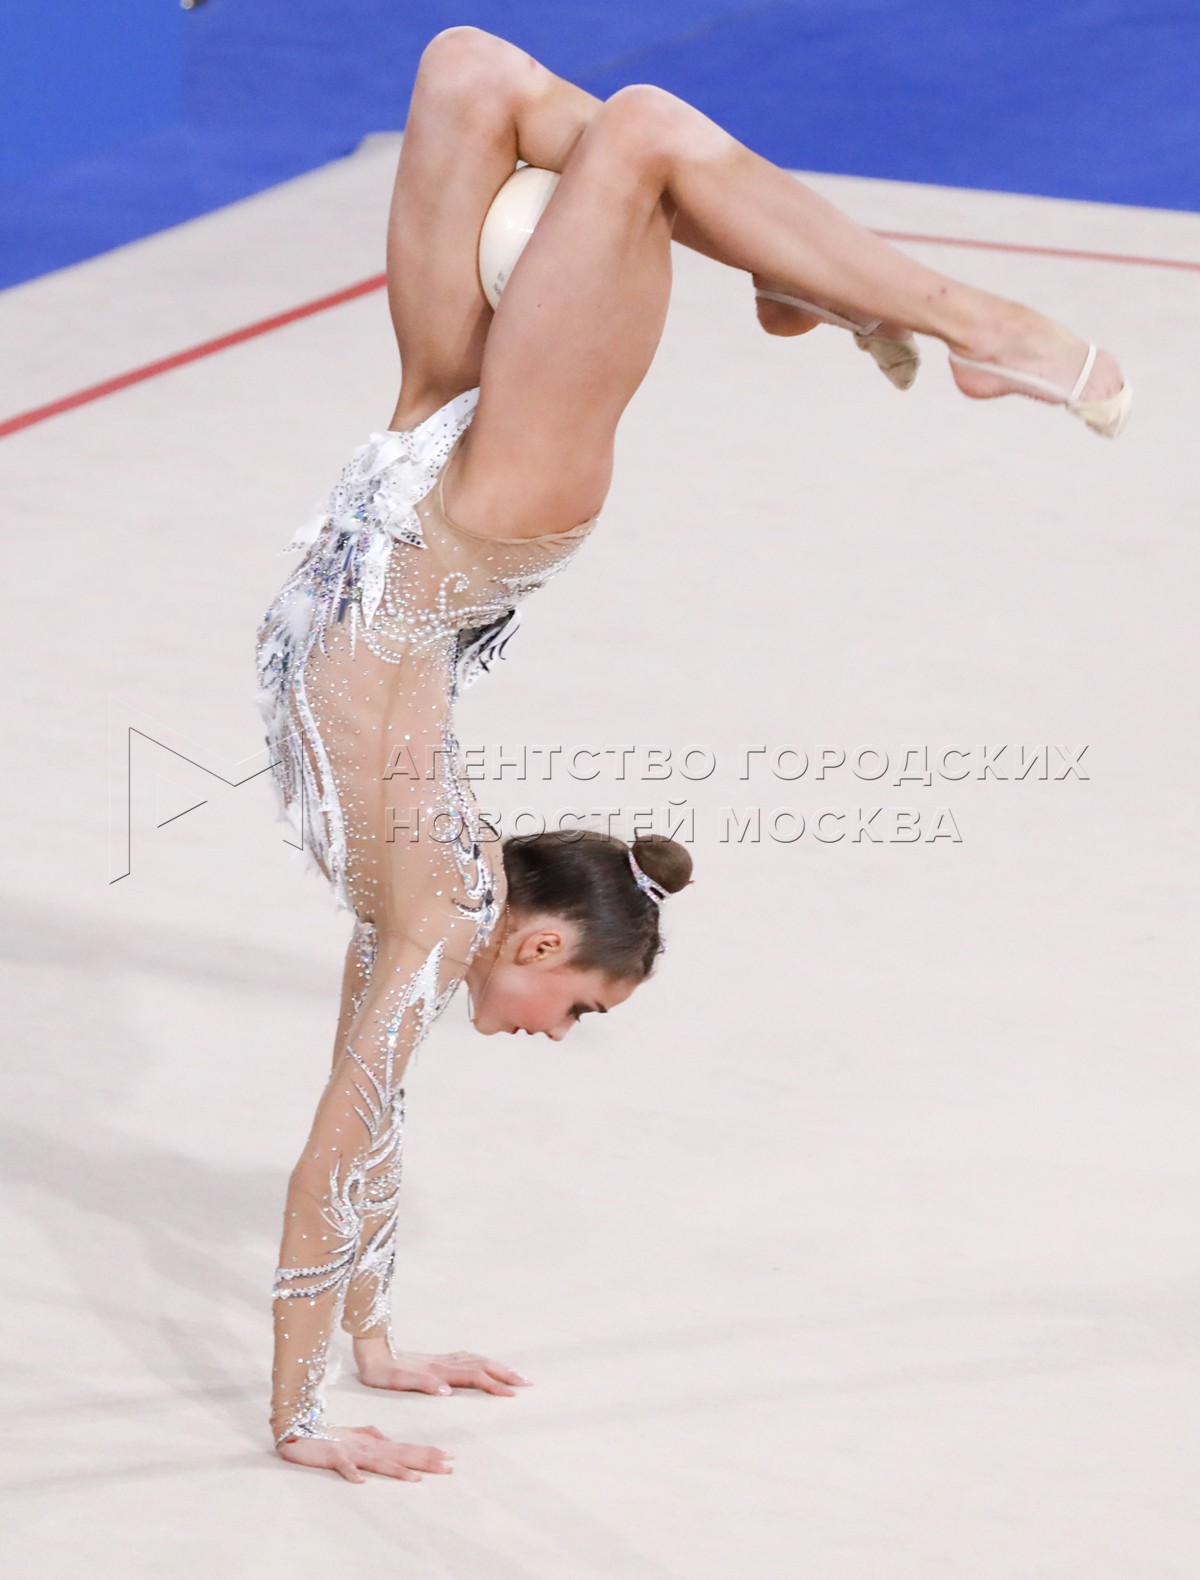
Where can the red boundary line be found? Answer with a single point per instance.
(206, 348)
(1043, 252)
(237, 337)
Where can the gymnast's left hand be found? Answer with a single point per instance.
(379, 1367)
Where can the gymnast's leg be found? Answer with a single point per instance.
(479, 104)
(580, 318)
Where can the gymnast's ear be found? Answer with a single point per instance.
(545, 940)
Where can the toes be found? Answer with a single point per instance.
(1106, 378)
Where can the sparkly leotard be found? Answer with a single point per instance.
(392, 612)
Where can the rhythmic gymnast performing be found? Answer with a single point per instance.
(528, 304)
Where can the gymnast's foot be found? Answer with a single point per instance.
(1024, 353)
(890, 345)
(409, 1370)
(777, 318)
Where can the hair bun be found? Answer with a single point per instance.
(665, 860)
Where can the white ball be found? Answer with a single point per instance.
(509, 223)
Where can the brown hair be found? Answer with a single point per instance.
(584, 876)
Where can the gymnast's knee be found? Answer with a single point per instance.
(467, 68)
(644, 127)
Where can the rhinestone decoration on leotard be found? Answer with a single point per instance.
(391, 613)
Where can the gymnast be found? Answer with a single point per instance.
(489, 478)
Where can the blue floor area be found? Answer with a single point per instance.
(1095, 99)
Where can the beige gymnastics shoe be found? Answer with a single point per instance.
(1106, 416)
(898, 359)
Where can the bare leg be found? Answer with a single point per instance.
(479, 105)
(761, 219)
(461, 142)
(581, 317)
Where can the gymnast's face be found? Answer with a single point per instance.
(530, 985)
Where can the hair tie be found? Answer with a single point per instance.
(646, 883)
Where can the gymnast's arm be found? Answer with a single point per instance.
(350, 1148)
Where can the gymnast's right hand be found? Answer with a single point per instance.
(352, 1449)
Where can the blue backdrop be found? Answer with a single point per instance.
(119, 117)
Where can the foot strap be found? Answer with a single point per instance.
(823, 313)
(1031, 380)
